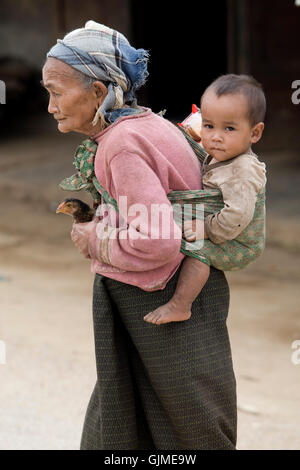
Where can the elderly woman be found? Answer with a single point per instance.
(158, 387)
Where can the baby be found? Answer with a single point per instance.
(233, 110)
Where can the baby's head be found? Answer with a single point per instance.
(233, 110)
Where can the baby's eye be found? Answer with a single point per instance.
(208, 126)
(229, 128)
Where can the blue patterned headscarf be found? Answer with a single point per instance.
(106, 55)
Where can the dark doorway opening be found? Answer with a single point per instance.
(188, 49)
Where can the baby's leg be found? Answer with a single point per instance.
(192, 278)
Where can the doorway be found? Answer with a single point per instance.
(188, 49)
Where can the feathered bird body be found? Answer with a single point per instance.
(79, 210)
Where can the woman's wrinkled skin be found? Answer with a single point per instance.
(74, 108)
(72, 105)
(81, 233)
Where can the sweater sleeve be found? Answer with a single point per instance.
(239, 196)
(147, 236)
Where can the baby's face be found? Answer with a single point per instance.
(226, 131)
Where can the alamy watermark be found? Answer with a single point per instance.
(2, 92)
(154, 223)
(296, 93)
(2, 352)
(295, 358)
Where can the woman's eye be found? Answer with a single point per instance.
(229, 128)
(52, 93)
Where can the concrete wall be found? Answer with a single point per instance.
(264, 42)
(28, 28)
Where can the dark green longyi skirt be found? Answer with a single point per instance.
(166, 387)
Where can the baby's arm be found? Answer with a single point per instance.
(229, 222)
(239, 198)
(239, 195)
(239, 205)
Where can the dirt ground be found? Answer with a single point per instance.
(46, 311)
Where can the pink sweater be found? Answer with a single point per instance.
(142, 157)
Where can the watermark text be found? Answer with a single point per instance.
(157, 222)
(296, 93)
(295, 358)
(2, 352)
(2, 92)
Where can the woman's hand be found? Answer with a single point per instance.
(81, 234)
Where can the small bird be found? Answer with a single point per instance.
(79, 210)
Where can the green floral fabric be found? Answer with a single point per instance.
(84, 178)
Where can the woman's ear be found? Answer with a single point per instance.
(256, 132)
(100, 91)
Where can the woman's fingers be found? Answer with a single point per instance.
(80, 235)
(74, 233)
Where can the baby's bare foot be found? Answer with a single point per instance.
(167, 313)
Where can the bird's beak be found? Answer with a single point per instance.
(62, 208)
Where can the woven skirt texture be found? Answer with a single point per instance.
(168, 387)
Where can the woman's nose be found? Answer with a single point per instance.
(52, 107)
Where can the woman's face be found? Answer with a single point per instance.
(72, 105)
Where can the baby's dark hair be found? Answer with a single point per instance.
(232, 84)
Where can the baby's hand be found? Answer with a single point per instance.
(193, 230)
